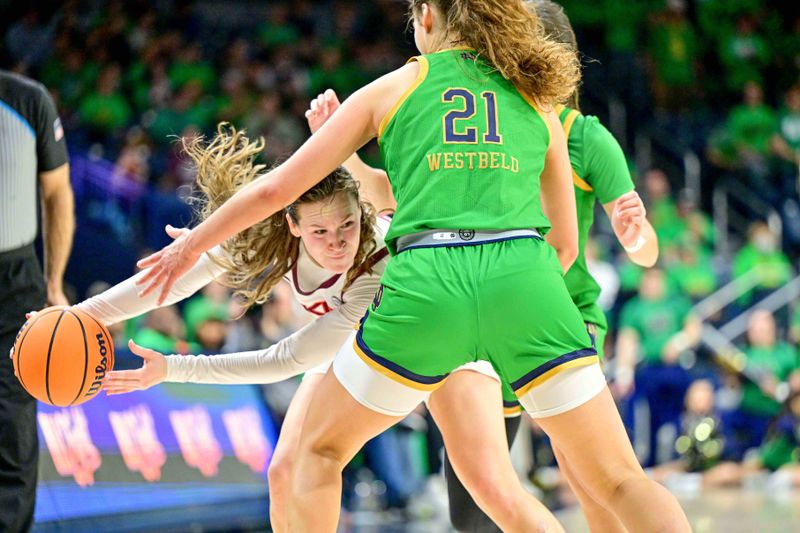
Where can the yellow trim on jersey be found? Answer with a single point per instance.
(509, 412)
(579, 182)
(571, 116)
(575, 363)
(531, 103)
(391, 375)
(423, 72)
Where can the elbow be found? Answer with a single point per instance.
(272, 197)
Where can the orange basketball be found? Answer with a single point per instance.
(61, 355)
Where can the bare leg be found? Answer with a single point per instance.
(468, 411)
(280, 468)
(614, 479)
(600, 519)
(336, 426)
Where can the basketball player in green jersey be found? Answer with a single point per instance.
(599, 173)
(467, 248)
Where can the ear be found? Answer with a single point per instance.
(426, 17)
(293, 229)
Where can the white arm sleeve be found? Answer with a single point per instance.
(308, 347)
(122, 301)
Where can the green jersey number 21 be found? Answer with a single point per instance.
(469, 135)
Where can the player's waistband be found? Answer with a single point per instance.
(461, 237)
(25, 250)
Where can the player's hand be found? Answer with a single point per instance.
(627, 218)
(168, 264)
(321, 108)
(28, 316)
(153, 372)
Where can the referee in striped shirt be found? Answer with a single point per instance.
(33, 157)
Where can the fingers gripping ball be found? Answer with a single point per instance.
(61, 356)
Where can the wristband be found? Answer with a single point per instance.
(638, 245)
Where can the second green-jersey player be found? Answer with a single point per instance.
(599, 173)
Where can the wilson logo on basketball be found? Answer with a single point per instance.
(99, 370)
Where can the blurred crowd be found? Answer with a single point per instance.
(719, 77)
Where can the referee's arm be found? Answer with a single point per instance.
(58, 227)
(58, 203)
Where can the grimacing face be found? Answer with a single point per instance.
(330, 231)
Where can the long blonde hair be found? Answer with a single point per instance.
(257, 258)
(507, 35)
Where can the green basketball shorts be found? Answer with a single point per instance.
(442, 307)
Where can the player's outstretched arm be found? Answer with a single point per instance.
(309, 347)
(355, 123)
(375, 187)
(122, 301)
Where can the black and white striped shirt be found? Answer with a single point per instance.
(31, 141)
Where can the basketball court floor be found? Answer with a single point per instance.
(738, 510)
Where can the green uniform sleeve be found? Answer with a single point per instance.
(605, 164)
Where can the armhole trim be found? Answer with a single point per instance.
(421, 75)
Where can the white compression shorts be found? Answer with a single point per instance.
(377, 391)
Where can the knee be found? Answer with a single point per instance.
(617, 487)
(280, 473)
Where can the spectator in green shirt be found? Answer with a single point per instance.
(189, 107)
(190, 66)
(277, 29)
(762, 258)
(655, 328)
(673, 52)
(163, 330)
(744, 53)
(105, 110)
(212, 301)
(753, 123)
(751, 127)
(693, 275)
(786, 142)
(768, 363)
